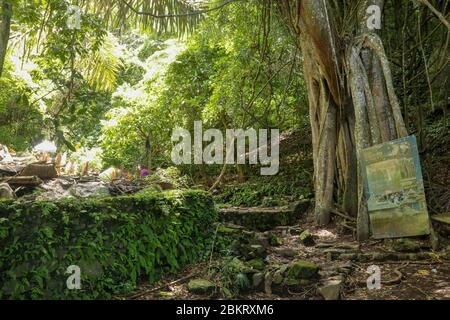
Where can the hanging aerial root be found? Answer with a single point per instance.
(362, 136)
(373, 42)
(367, 124)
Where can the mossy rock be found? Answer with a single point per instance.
(277, 277)
(289, 282)
(302, 269)
(257, 263)
(257, 280)
(262, 240)
(235, 264)
(286, 252)
(307, 238)
(253, 251)
(258, 249)
(225, 230)
(405, 245)
(201, 286)
(275, 240)
(331, 289)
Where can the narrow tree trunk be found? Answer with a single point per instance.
(352, 101)
(5, 27)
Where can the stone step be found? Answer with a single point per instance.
(263, 218)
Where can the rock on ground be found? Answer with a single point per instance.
(331, 289)
(306, 238)
(201, 286)
(302, 269)
(405, 245)
(6, 192)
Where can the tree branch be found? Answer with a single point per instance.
(436, 12)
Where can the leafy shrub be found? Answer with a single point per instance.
(132, 73)
(20, 121)
(170, 175)
(266, 191)
(149, 47)
(232, 276)
(116, 242)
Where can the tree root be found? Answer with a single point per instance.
(382, 257)
(179, 281)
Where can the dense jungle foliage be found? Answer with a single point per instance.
(117, 88)
(112, 89)
(109, 81)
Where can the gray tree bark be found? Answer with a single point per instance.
(352, 101)
(5, 28)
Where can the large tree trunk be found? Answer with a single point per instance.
(351, 100)
(5, 27)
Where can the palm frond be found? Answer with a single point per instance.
(143, 14)
(173, 16)
(101, 69)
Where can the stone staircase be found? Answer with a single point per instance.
(263, 218)
(269, 246)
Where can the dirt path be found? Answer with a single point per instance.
(423, 275)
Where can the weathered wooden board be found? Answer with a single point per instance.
(394, 189)
(27, 181)
(43, 171)
(444, 218)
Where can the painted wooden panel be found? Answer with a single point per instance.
(394, 189)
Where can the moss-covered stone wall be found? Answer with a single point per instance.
(115, 242)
